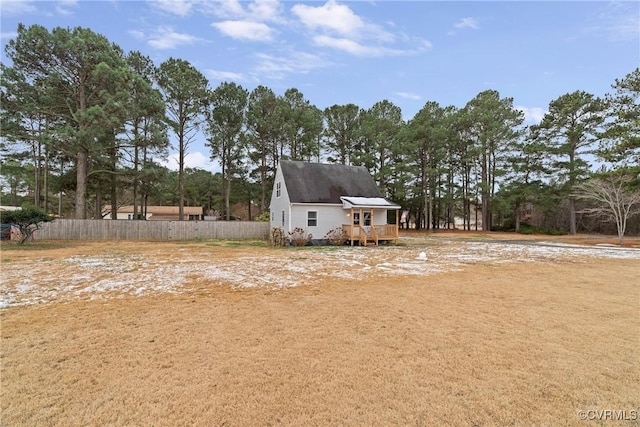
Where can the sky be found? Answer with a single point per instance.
(363, 52)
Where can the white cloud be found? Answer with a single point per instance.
(62, 7)
(346, 45)
(224, 75)
(336, 26)
(176, 7)
(227, 9)
(331, 16)
(374, 50)
(295, 62)
(167, 38)
(8, 35)
(620, 21)
(408, 95)
(17, 7)
(249, 23)
(136, 34)
(246, 30)
(532, 115)
(265, 10)
(467, 23)
(196, 160)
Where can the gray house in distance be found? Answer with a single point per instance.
(320, 198)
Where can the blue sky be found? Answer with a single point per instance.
(362, 52)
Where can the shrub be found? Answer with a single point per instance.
(299, 237)
(335, 237)
(526, 228)
(276, 237)
(264, 217)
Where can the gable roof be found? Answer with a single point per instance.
(325, 183)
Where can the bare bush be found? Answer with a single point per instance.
(277, 237)
(613, 198)
(299, 237)
(335, 237)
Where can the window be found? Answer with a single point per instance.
(283, 218)
(273, 216)
(312, 219)
(278, 189)
(367, 218)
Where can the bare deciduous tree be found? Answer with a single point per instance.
(614, 200)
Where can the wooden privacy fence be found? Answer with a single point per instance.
(88, 229)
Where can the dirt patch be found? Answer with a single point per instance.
(436, 331)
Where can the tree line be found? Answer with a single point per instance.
(84, 124)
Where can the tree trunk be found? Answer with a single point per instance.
(36, 164)
(46, 181)
(486, 209)
(572, 181)
(97, 211)
(136, 167)
(60, 191)
(572, 216)
(82, 162)
(226, 186)
(227, 192)
(114, 183)
(181, 178)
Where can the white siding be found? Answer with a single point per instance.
(379, 216)
(279, 204)
(329, 217)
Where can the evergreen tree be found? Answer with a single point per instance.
(428, 134)
(81, 82)
(379, 130)
(145, 131)
(493, 125)
(185, 94)
(341, 132)
(225, 123)
(302, 126)
(620, 143)
(263, 132)
(570, 130)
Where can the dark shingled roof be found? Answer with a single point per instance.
(325, 183)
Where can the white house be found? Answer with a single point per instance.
(320, 198)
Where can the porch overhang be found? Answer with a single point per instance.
(367, 203)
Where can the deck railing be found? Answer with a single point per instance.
(371, 234)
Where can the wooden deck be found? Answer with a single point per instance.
(370, 235)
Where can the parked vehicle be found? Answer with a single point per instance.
(5, 232)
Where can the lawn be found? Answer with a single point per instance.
(486, 330)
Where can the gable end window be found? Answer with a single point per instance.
(312, 219)
(278, 189)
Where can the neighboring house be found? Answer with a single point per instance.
(240, 211)
(320, 198)
(158, 213)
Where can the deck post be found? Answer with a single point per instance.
(397, 223)
(351, 221)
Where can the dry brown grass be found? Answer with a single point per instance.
(488, 344)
